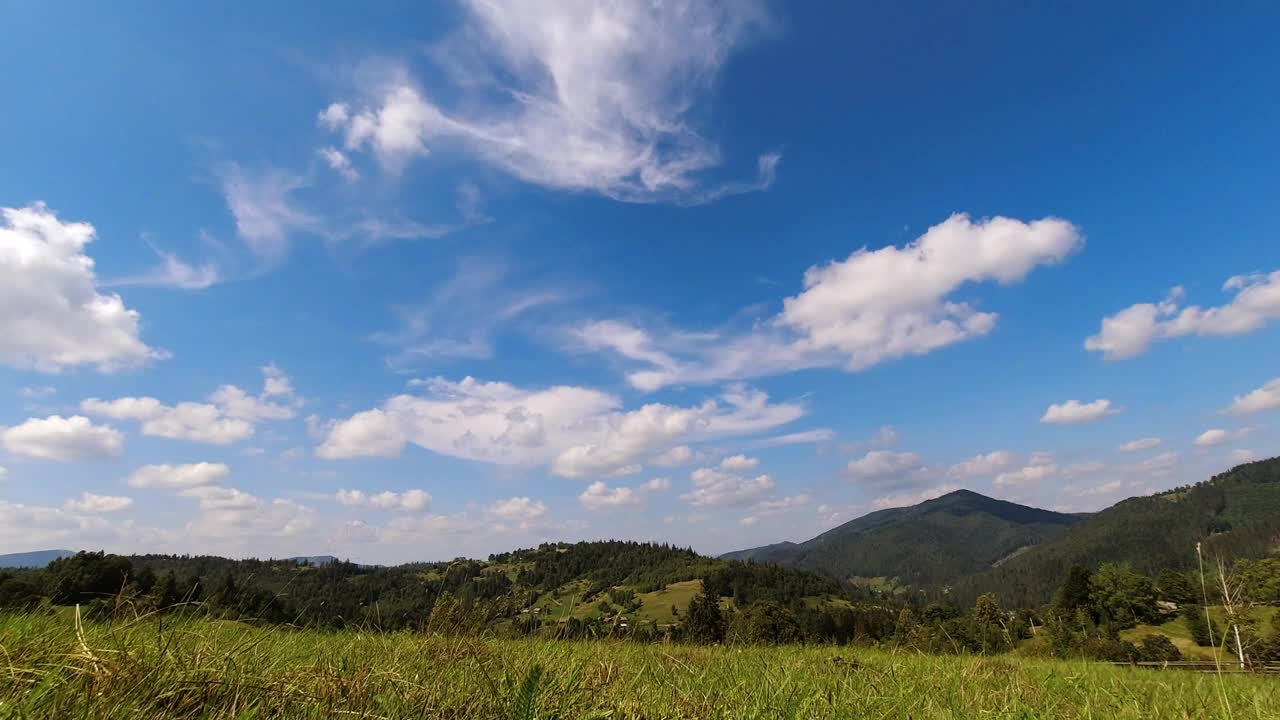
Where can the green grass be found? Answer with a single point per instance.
(213, 669)
(1178, 633)
(656, 606)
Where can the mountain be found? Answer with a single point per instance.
(1234, 515)
(35, 559)
(929, 544)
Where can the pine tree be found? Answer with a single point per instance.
(704, 622)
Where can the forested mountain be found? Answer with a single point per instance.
(925, 545)
(37, 558)
(1234, 515)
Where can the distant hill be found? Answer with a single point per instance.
(929, 544)
(35, 559)
(1235, 514)
(314, 559)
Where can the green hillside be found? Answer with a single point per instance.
(929, 544)
(1234, 515)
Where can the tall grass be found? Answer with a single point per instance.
(52, 667)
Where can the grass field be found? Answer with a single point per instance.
(1178, 633)
(219, 669)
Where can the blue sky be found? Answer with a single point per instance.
(417, 281)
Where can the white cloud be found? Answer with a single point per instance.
(179, 477)
(52, 316)
(580, 432)
(874, 306)
(635, 435)
(229, 416)
(1039, 467)
(407, 501)
(1131, 331)
(174, 272)
(462, 315)
(739, 462)
(339, 163)
(1242, 455)
(87, 502)
(887, 469)
(64, 439)
(1074, 411)
(265, 211)
(1216, 436)
(913, 498)
(218, 498)
(675, 457)
(372, 433)
(599, 496)
(1160, 465)
(774, 506)
(805, 437)
(40, 392)
(597, 98)
(520, 509)
(1266, 397)
(1141, 444)
(982, 466)
(713, 487)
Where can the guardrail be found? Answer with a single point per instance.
(1205, 666)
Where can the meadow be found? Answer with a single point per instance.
(52, 666)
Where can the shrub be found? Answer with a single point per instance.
(1158, 648)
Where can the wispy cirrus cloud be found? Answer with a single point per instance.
(595, 98)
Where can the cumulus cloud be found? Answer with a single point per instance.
(407, 501)
(1218, 436)
(912, 498)
(179, 477)
(596, 98)
(87, 502)
(982, 466)
(580, 432)
(886, 469)
(739, 462)
(229, 416)
(339, 162)
(60, 438)
(1160, 465)
(1039, 467)
(1141, 444)
(1266, 397)
(599, 496)
(1131, 331)
(1074, 411)
(520, 510)
(1242, 455)
(715, 487)
(872, 307)
(52, 316)
(675, 457)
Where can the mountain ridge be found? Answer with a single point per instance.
(930, 543)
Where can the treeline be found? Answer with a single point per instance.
(739, 602)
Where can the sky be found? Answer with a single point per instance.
(413, 281)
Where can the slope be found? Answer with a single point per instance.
(1233, 515)
(929, 544)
